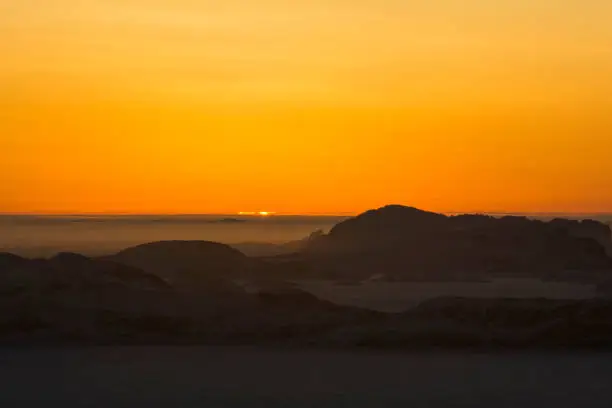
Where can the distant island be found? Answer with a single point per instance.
(199, 292)
(229, 221)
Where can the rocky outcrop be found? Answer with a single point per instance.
(596, 230)
(408, 243)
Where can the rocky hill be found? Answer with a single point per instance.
(67, 271)
(187, 263)
(404, 242)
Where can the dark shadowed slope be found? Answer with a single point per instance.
(73, 299)
(9, 261)
(67, 271)
(186, 262)
(586, 229)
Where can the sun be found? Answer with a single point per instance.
(260, 213)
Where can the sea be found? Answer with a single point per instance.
(45, 235)
(217, 377)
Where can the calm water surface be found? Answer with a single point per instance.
(96, 235)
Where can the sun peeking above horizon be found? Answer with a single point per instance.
(260, 213)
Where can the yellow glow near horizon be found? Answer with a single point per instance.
(161, 106)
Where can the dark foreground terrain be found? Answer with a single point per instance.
(205, 293)
(253, 377)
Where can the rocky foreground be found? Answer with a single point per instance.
(288, 318)
(209, 293)
(70, 299)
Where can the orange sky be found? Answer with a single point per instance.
(325, 106)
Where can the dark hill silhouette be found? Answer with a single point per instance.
(404, 242)
(73, 299)
(488, 324)
(8, 261)
(73, 272)
(229, 221)
(586, 229)
(187, 263)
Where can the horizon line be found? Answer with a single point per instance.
(281, 214)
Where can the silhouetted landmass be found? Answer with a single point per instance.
(66, 271)
(289, 317)
(592, 229)
(74, 299)
(187, 263)
(230, 221)
(266, 249)
(493, 323)
(407, 243)
(8, 261)
(199, 292)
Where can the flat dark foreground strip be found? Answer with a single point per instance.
(256, 377)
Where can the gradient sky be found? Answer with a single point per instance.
(320, 106)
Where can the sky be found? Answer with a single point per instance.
(320, 106)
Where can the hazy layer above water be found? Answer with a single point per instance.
(94, 235)
(33, 235)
